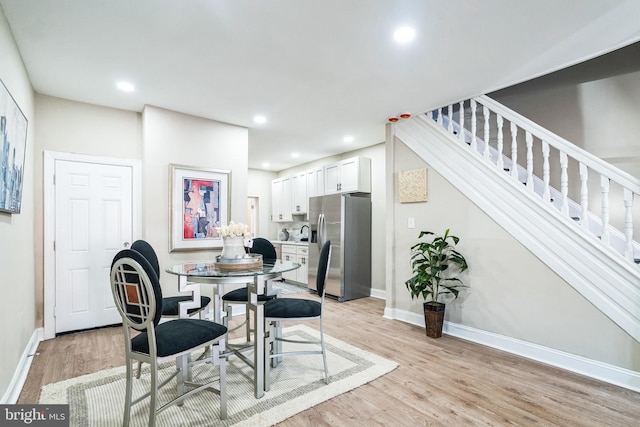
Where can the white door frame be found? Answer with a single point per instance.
(50, 157)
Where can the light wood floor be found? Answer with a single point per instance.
(448, 381)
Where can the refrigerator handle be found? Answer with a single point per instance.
(321, 231)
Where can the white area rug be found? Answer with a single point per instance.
(97, 400)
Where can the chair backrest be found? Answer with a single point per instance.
(323, 267)
(136, 290)
(149, 253)
(265, 248)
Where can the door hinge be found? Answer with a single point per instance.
(54, 311)
(54, 179)
(54, 245)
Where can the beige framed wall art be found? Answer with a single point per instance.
(413, 185)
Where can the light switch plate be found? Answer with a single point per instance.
(411, 223)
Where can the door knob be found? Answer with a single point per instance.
(126, 245)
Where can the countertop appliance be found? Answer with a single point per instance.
(345, 219)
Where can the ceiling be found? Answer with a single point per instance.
(317, 70)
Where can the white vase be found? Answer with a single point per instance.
(233, 248)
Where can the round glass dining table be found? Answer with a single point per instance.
(191, 274)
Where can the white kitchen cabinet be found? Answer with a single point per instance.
(289, 253)
(311, 183)
(300, 201)
(299, 254)
(303, 257)
(348, 176)
(281, 198)
(315, 182)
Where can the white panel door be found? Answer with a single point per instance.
(93, 221)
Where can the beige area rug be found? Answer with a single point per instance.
(97, 400)
(289, 288)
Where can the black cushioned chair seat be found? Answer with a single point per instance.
(170, 305)
(241, 295)
(292, 307)
(178, 335)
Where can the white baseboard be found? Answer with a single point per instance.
(591, 368)
(378, 293)
(20, 374)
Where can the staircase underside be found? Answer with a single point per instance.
(596, 272)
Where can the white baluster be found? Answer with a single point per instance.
(461, 121)
(450, 115)
(440, 116)
(514, 151)
(474, 143)
(604, 187)
(546, 195)
(485, 112)
(500, 161)
(564, 182)
(529, 139)
(628, 223)
(584, 196)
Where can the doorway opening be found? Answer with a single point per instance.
(253, 204)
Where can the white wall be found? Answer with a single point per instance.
(511, 292)
(17, 263)
(174, 138)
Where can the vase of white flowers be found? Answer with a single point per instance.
(233, 236)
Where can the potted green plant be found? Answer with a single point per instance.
(436, 266)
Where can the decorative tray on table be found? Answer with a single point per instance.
(248, 262)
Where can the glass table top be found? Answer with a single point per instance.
(211, 269)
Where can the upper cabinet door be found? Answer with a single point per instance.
(299, 193)
(319, 178)
(281, 199)
(332, 178)
(315, 182)
(348, 176)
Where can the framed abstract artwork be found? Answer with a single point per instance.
(199, 203)
(13, 144)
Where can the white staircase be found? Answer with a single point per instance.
(597, 259)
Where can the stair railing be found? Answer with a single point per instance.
(480, 124)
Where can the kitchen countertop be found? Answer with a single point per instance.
(290, 242)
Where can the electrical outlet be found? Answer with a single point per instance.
(411, 223)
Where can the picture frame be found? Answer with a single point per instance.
(199, 202)
(413, 185)
(13, 146)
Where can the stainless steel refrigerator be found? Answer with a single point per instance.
(345, 219)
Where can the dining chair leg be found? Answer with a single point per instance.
(324, 355)
(277, 344)
(127, 395)
(223, 385)
(154, 394)
(269, 341)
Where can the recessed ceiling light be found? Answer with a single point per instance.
(404, 34)
(126, 86)
(265, 165)
(295, 155)
(260, 119)
(348, 139)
